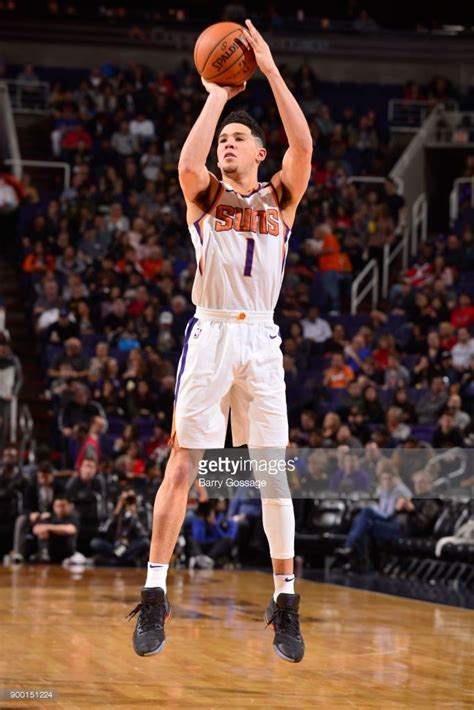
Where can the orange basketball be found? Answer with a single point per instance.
(220, 55)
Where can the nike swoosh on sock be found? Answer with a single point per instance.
(289, 579)
(153, 566)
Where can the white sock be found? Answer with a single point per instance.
(156, 575)
(284, 583)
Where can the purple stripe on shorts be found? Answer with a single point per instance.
(187, 335)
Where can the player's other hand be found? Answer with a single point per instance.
(228, 92)
(262, 51)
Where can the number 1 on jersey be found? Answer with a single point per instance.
(249, 257)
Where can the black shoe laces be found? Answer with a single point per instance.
(151, 616)
(287, 621)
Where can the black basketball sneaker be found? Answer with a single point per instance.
(283, 615)
(153, 611)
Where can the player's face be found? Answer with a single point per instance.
(238, 151)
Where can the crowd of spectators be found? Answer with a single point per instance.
(358, 16)
(108, 268)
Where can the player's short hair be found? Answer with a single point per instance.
(246, 120)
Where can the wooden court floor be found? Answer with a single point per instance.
(67, 632)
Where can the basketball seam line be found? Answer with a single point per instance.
(214, 48)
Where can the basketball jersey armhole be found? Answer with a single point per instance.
(219, 191)
(277, 202)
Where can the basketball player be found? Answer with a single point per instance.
(231, 356)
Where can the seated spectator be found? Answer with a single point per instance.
(398, 430)
(83, 316)
(401, 400)
(98, 361)
(316, 328)
(356, 353)
(389, 490)
(37, 262)
(123, 141)
(337, 342)
(350, 476)
(85, 481)
(64, 328)
(330, 426)
(463, 351)
(79, 410)
(353, 398)
(37, 506)
(116, 221)
(131, 463)
(462, 315)
(432, 402)
(212, 537)
(461, 419)
(150, 163)
(123, 539)
(339, 374)
(345, 437)
(75, 138)
(49, 298)
(447, 336)
(412, 516)
(357, 423)
(57, 535)
(73, 358)
(447, 435)
(142, 128)
(385, 348)
(371, 407)
(401, 297)
(396, 375)
(115, 321)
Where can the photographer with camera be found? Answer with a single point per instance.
(123, 539)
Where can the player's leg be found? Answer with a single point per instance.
(168, 516)
(200, 421)
(259, 418)
(279, 524)
(169, 511)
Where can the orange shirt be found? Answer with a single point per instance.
(338, 379)
(330, 262)
(151, 267)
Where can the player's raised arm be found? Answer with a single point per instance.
(194, 177)
(296, 168)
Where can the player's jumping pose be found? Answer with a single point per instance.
(231, 357)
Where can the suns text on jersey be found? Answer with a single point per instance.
(246, 219)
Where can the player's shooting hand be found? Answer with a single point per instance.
(227, 92)
(262, 51)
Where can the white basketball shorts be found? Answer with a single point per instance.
(230, 360)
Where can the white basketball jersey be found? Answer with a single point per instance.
(241, 245)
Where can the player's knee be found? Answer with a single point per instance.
(180, 470)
